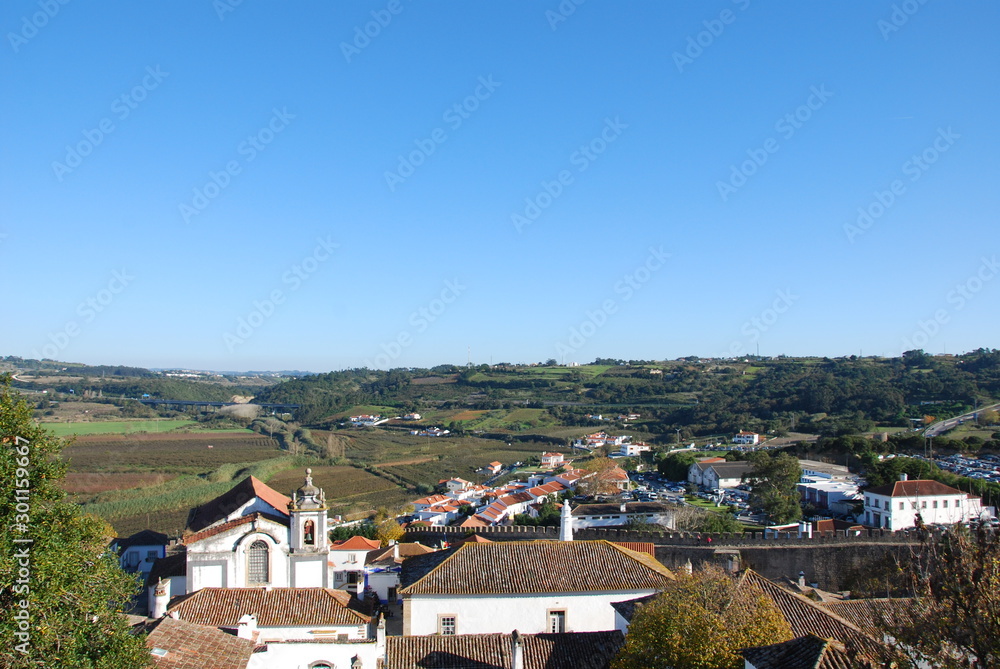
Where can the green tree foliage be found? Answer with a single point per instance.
(675, 466)
(342, 532)
(64, 589)
(955, 580)
(701, 622)
(773, 482)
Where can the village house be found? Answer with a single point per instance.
(366, 420)
(138, 552)
(383, 566)
(895, 506)
(552, 460)
(347, 562)
(534, 586)
(494, 467)
(715, 473)
(630, 449)
(746, 438)
(615, 515)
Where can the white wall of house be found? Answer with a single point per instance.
(899, 513)
(611, 520)
(220, 561)
(304, 655)
(489, 614)
(309, 632)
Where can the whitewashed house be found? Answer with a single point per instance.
(532, 586)
(895, 506)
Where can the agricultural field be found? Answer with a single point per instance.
(349, 491)
(116, 426)
(177, 453)
(90, 483)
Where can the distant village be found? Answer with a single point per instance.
(255, 582)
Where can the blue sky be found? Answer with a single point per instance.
(320, 185)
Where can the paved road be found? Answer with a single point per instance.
(943, 426)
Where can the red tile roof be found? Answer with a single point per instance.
(228, 502)
(541, 566)
(580, 650)
(192, 646)
(638, 547)
(225, 527)
(915, 488)
(356, 543)
(277, 607)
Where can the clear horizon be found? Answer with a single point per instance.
(230, 186)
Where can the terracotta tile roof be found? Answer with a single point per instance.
(389, 552)
(541, 566)
(228, 502)
(356, 543)
(834, 524)
(868, 613)
(614, 474)
(432, 499)
(475, 539)
(277, 607)
(805, 652)
(225, 527)
(915, 488)
(807, 617)
(473, 521)
(638, 547)
(191, 646)
(581, 650)
(496, 464)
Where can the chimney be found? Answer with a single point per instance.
(805, 529)
(161, 598)
(246, 628)
(623, 507)
(380, 637)
(395, 550)
(687, 567)
(802, 579)
(903, 476)
(566, 523)
(516, 651)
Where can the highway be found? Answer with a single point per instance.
(943, 426)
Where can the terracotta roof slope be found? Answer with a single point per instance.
(541, 566)
(914, 488)
(867, 614)
(278, 607)
(805, 617)
(177, 644)
(228, 502)
(190, 538)
(805, 652)
(355, 543)
(580, 650)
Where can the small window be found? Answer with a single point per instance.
(257, 563)
(446, 625)
(946, 504)
(923, 505)
(557, 622)
(132, 559)
(902, 505)
(913, 506)
(935, 504)
(887, 505)
(309, 533)
(151, 555)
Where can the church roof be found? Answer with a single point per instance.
(541, 566)
(224, 527)
(228, 502)
(275, 607)
(579, 650)
(178, 644)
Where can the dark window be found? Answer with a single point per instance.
(257, 563)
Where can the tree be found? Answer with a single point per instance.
(675, 466)
(988, 417)
(701, 621)
(773, 486)
(61, 589)
(954, 578)
(389, 530)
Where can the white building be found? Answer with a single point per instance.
(613, 515)
(895, 506)
(532, 586)
(719, 474)
(823, 470)
(824, 493)
(138, 552)
(630, 449)
(552, 460)
(347, 562)
(746, 438)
